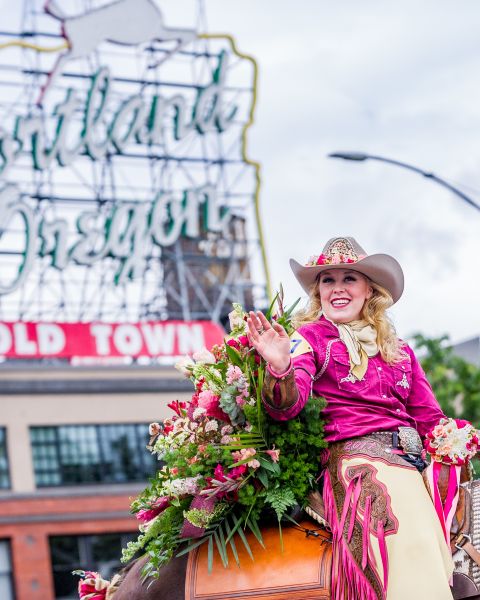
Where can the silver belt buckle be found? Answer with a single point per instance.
(410, 441)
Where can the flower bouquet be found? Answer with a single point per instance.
(452, 441)
(226, 465)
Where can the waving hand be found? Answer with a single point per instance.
(269, 340)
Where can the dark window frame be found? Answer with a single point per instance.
(9, 574)
(52, 456)
(83, 557)
(5, 480)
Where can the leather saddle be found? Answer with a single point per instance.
(300, 572)
(465, 542)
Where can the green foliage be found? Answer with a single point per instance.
(300, 441)
(159, 541)
(280, 499)
(455, 382)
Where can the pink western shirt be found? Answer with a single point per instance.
(387, 397)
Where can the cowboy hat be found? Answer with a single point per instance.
(346, 253)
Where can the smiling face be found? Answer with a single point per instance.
(342, 294)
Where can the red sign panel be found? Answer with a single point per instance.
(66, 340)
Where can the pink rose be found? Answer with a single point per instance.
(211, 403)
(243, 339)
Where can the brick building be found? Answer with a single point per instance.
(72, 455)
(125, 246)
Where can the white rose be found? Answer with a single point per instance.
(184, 365)
(204, 356)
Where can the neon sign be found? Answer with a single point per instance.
(132, 122)
(129, 224)
(131, 176)
(124, 232)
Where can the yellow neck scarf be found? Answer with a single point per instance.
(360, 338)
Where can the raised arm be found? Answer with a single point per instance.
(288, 378)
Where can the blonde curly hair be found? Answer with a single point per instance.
(374, 311)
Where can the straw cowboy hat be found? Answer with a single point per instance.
(346, 253)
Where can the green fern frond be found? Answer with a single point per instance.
(280, 499)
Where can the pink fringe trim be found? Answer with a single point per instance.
(348, 581)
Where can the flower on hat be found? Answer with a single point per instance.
(334, 259)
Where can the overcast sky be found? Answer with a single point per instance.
(401, 80)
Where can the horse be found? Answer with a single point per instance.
(298, 571)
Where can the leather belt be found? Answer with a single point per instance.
(405, 439)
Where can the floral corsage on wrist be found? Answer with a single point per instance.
(452, 442)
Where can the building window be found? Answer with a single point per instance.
(77, 454)
(6, 575)
(4, 473)
(100, 553)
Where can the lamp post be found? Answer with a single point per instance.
(360, 157)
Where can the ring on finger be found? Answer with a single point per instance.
(261, 331)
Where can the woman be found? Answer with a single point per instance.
(388, 541)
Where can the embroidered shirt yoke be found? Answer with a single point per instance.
(387, 397)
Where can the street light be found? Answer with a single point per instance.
(360, 156)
